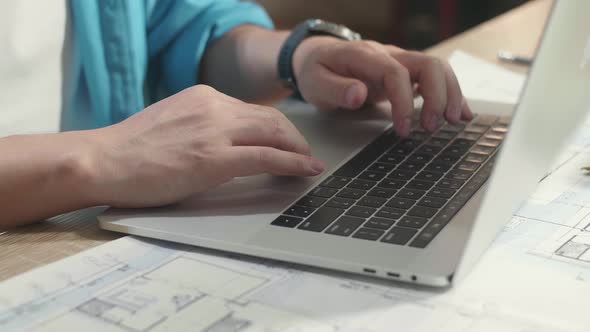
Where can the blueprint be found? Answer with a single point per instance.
(534, 278)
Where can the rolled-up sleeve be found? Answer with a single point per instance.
(179, 32)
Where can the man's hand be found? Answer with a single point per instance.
(332, 73)
(191, 142)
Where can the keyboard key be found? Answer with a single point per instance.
(345, 226)
(311, 201)
(500, 128)
(418, 135)
(438, 142)
(410, 143)
(463, 144)
(475, 158)
(361, 211)
(391, 183)
(450, 183)
(412, 166)
(286, 221)
(420, 158)
(412, 194)
(403, 150)
(399, 235)
(458, 174)
(323, 192)
(341, 203)
(422, 211)
(299, 211)
(318, 221)
(335, 182)
(381, 167)
(428, 176)
(372, 175)
(390, 213)
(382, 192)
(420, 185)
(445, 134)
(351, 193)
(457, 127)
(485, 150)
(439, 167)
(392, 159)
(412, 222)
(476, 128)
(400, 203)
(469, 137)
(493, 143)
(429, 149)
(467, 166)
(447, 159)
(401, 174)
(362, 184)
(497, 136)
(368, 234)
(374, 202)
(433, 202)
(455, 150)
(380, 223)
(423, 239)
(441, 192)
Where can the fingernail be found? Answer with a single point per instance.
(433, 123)
(317, 166)
(353, 96)
(404, 127)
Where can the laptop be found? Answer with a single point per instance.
(421, 209)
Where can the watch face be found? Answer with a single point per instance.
(334, 29)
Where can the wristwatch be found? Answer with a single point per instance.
(308, 28)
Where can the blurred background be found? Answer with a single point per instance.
(414, 24)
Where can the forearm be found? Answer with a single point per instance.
(42, 176)
(243, 64)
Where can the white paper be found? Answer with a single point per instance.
(482, 80)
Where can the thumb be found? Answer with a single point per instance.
(328, 90)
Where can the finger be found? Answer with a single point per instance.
(267, 129)
(466, 114)
(254, 160)
(335, 91)
(454, 110)
(430, 75)
(380, 69)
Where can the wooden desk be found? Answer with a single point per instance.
(28, 247)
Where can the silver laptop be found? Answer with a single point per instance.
(421, 209)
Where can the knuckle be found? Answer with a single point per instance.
(201, 90)
(399, 71)
(434, 62)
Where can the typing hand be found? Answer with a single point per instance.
(191, 142)
(332, 73)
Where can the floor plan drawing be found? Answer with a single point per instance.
(135, 285)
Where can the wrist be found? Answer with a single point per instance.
(80, 167)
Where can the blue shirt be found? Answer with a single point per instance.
(132, 52)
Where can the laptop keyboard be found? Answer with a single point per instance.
(402, 191)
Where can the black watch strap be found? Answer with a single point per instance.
(298, 34)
